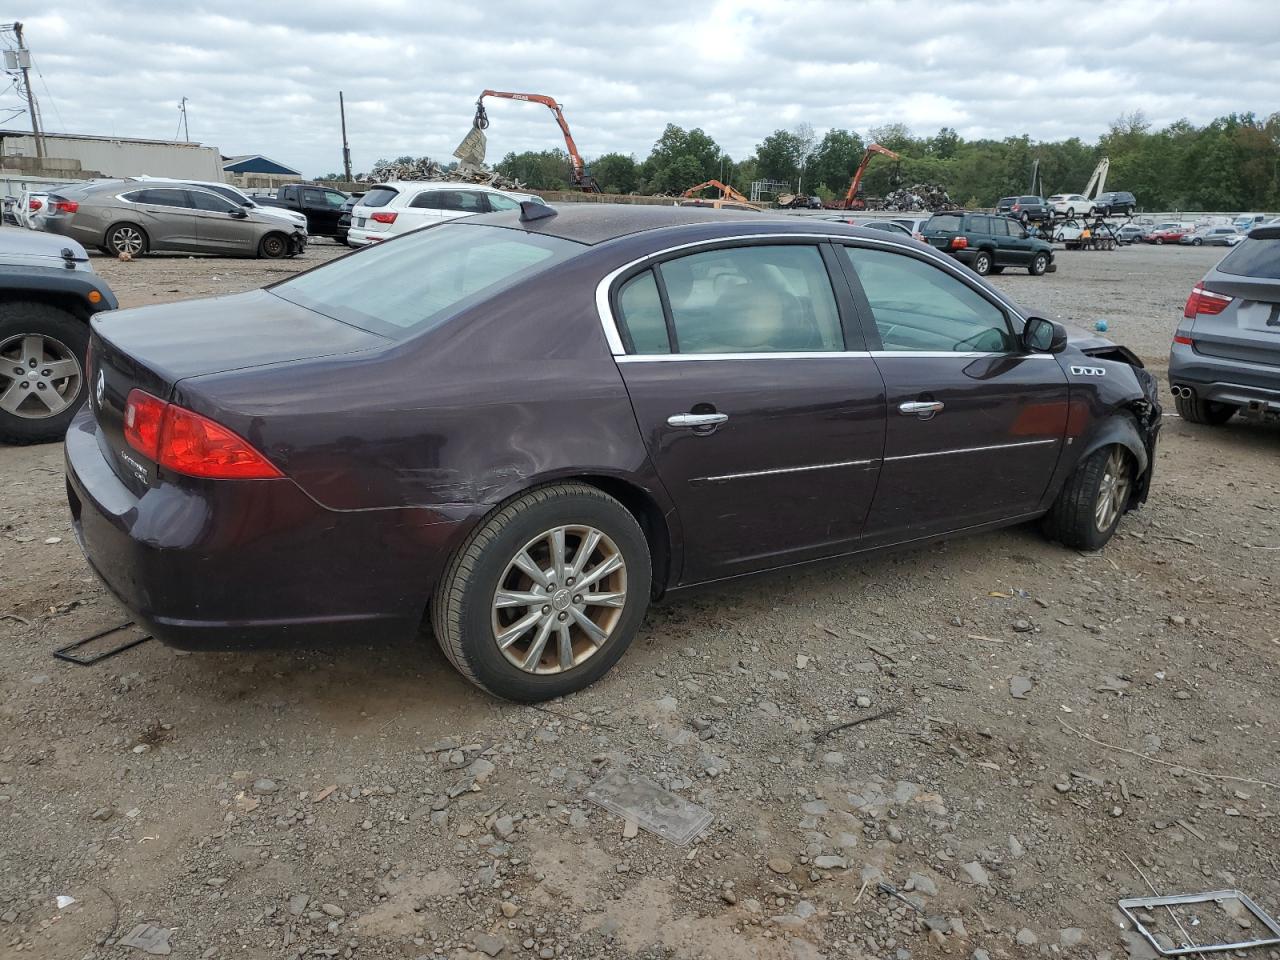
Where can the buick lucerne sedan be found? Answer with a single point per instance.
(522, 427)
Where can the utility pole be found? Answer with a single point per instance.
(24, 64)
(182, 106)
(346, 150)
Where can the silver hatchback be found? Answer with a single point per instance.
(126, 218)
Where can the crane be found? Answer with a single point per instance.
(1097, 179)
(851, 201)
(581, 176)
(726, 192)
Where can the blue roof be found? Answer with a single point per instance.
(257, 164)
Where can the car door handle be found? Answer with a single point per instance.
(924, 409)
(696, 419)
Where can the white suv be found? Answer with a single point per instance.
(1071, 205)
(239, 198)
(390, 209)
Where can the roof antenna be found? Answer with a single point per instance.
(530, 211)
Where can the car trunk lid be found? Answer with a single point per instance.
(1247, 328)
(153, 348)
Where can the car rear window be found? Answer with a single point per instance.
(1254, 257)
(945, 221)
(379, 197)
(409, 285)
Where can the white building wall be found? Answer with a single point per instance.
(123, 157)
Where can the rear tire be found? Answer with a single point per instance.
(127, 238)
(1094, 498)
(273, 246)
(1039, 264)
(47, 335)
(982, 263)
(487, 591)
(1208, 412)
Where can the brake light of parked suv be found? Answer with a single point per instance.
(959, 243)
(185, 442)
(1204, 302)
(383, 216)
(64, 206)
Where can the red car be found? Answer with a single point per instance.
(1168, 233)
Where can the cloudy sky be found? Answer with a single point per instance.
(264, 77)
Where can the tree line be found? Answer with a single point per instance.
(1232, 163)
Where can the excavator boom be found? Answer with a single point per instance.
(726, 192)
(851, 194)
(580, 174)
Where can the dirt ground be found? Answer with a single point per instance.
(1048, 732)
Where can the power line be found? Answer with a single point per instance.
(48, 93)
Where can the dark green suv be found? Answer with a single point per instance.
(987, 243)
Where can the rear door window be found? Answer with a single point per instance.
(758, 299)
(164, 197)
(428, 200)
(917, 306)
(999, 226)
(422, 278)
(464, 201)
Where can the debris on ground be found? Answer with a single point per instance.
(149, 939)
(424, 168)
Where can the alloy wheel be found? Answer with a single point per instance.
(127, 240)
(39, 376)
(1113, 490)
(559, 599)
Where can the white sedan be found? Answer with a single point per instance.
(390, 209)
(1071, 205)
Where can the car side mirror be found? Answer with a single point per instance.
(1043, 336)
(238, 214)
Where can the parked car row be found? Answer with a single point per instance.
(390, 209)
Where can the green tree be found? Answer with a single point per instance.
(778, 157)
(834, 160)
(616, 173)
(681, 158)
(538, 169)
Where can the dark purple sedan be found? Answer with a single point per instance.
(527, 425)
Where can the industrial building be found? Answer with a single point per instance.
(254, 170)
(77, 157)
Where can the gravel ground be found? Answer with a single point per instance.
(1045, 732)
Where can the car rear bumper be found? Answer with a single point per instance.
(230, 565)
(1224, 380)
(362, 236)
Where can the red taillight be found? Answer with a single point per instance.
(1204, 302)
(1017, 207)
(1185, 341)
(383, 216)
(185, 442)
(959, 243)
(33, 204)
(64, 206)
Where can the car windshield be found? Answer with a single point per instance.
(1254, 257)
(414, 283)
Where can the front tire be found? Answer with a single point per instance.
(1095, 497)
(273, 246)
(982, 263)
(1039, 264)
(1196, 410)
(546, 595)
(1197, 242)
(42, 351)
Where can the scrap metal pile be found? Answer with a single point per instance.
(919, 196)
(424, 168)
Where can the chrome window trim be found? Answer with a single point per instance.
(780, 470)
(609, 323)
(687, 357)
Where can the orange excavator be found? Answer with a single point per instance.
(851, 199)
(581, 175)
(726, 192)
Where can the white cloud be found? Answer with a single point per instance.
(265, 78)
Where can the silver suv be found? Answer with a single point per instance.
(1226, 352)
(125, 217)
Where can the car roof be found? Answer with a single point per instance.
(593, 223)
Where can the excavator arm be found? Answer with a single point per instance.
(726, 192)
(872, 149)
(581, 176)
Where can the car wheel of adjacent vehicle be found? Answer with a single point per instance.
(1039, 264)
(1090, 505)
(127, 239)
(1196, 410)
(546, 595)
(273, 246)
(1025, 218)
(982, 263)
(1196, 241)
(1071, 212)
(1158, 242)
(42, 352)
